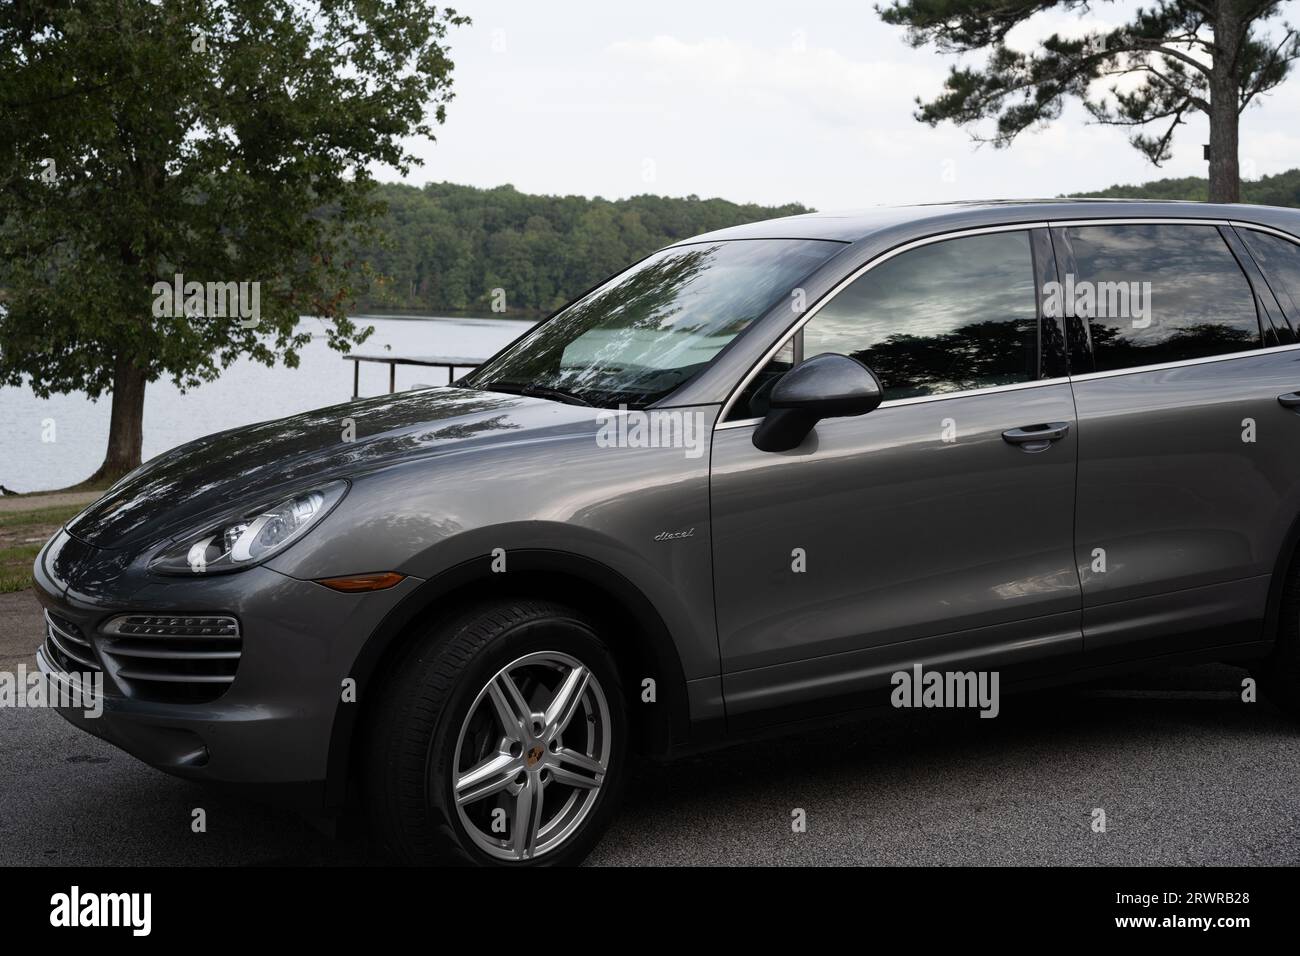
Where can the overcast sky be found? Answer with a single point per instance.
(768, 102)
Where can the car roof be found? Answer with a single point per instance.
(854, 226)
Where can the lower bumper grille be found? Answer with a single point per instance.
(181, 658)
(66, 646)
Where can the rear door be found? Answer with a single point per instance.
(1188, 465)
(933, 530)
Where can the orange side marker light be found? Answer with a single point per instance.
(380, 581)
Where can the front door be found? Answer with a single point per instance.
(936, 529)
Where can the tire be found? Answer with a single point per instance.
(1278, 675)
(444, 709)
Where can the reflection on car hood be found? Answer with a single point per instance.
(254, 465)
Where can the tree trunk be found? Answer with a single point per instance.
(1225, 176)
(126, 423)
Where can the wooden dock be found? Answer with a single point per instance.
(450, 363)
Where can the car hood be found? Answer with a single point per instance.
(204, 480)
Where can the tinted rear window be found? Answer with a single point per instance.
(1280, 261)
(1160, 293)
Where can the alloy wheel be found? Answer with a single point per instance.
(531, 757)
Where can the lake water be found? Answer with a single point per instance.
(246, 392)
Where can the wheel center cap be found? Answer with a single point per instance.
(534, 755)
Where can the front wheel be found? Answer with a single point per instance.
(500, 738)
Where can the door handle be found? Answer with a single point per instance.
(1289, 400)
(1036, 437)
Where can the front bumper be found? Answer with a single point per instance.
(272, 725)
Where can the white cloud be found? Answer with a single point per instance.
(811, 78)
(811, 103)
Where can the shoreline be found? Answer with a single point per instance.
(519, 316)
(243, 394)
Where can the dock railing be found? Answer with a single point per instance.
(450, 363)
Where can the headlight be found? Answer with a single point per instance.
(252, 538)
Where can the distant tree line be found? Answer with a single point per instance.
(1280, 190)
(445, 247)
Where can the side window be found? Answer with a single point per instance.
(1280, 261)
(950, 316)
(1155, 293)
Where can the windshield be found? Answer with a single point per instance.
(646, 331)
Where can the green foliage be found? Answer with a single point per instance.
(227, 140)
(1280, 190)
(54, 515)
(1172, 57)
(16, 567)
(447, 246)
(22, 535)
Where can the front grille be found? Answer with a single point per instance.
(188, 658)
(66, 647)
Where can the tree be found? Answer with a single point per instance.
(1172, 59)
(447, 246)
(226, 142)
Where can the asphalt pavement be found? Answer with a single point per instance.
(1184, 771)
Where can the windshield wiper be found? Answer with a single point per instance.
(537, 391)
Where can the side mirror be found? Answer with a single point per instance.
(824, 386)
